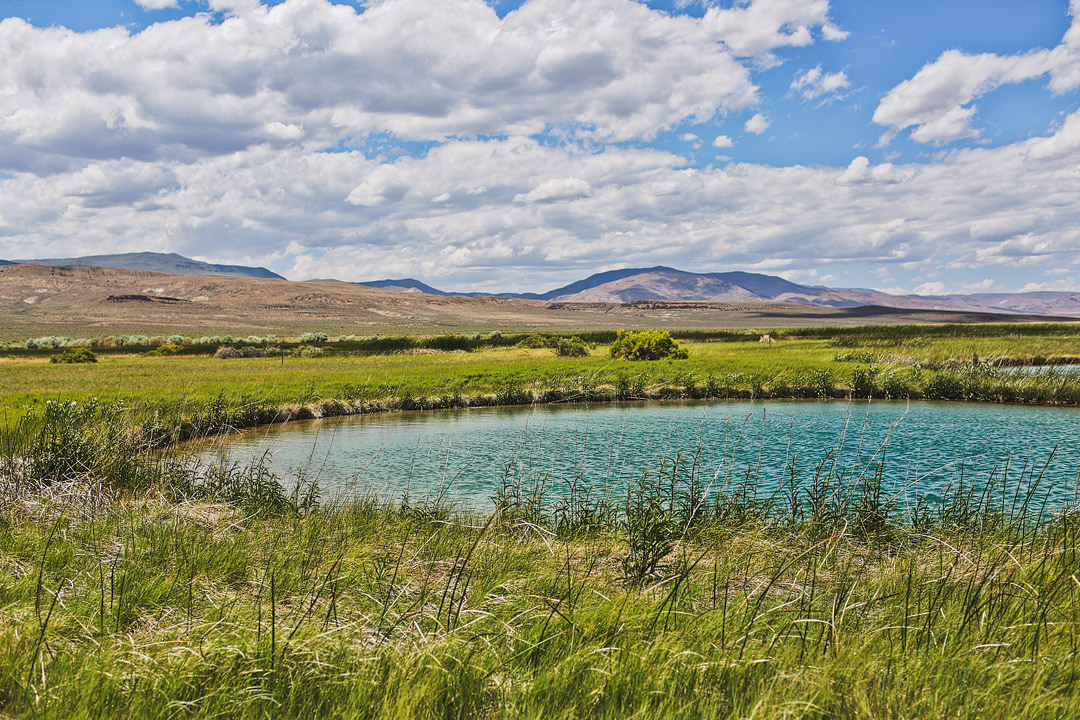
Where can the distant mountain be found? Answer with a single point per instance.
(412, 285)
(668, 284)
(6, 262)
(664, 283)
(156, 262)
(406, 285)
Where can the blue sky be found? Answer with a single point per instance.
(919, 146)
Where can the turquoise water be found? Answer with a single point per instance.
(1041, 369)
(465, 455)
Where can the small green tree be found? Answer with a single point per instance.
(646, 345)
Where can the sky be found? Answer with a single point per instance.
(925, 146)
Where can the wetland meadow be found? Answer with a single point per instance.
(844, 522)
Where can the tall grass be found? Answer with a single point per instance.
(187, 595)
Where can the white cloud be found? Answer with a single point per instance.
(421, 70)
(556, 190)
(930, 288)
(938, 102)
(860, 172)
(281, 131)
(1065, 142)
(1068, 284)
(475, 210)
(984, 285)
(815, 83)
(832, 33)
(157, 4)
(207, 136)
(759, 26)
(757, 124)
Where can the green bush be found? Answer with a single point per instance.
(164, 350)
(537, 341)
(943, 386)
(571, 347)
(647, 345)
(821, 383)
(75, 355)
(862, 381)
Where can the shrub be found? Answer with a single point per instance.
(47, 342)
(647, 345)
(862, 381)
(537, 341)
(308, 338)
(571, 347)
(821, 383)
(164, 350)
(895, 387)
(943, 386)
(75, 355)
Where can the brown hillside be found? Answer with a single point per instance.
(37, 300)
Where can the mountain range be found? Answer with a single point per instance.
(637, 285)
(668, 284)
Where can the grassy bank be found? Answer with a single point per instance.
(190, 395)
(137, 585)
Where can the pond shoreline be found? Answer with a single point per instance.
(250, 418)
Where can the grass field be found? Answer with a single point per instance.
(135, 584)
(878, 362)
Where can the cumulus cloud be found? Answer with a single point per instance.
(755, 28)
(157, 4)
(938, 102)
(193, 87)
(1065, 142)
(815, 83)
(832, 33)
(757, 124)
(209, 136)
(860, 172)
(468, 207)
(556, 190)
